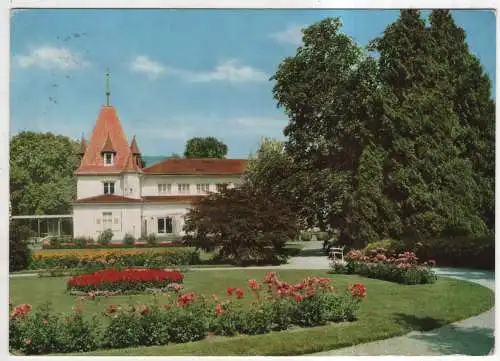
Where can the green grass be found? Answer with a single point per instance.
(389, 310)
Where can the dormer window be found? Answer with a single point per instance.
(108, 158)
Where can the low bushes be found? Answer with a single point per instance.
(124, 258)
(125, 281)
(86, 243)
(378, 263)
(276, 305)
(466, 252)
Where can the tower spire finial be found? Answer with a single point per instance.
(108, 90)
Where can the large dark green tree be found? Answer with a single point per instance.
(42, 167)
(243, 224)
(208, 147)
(396, 136)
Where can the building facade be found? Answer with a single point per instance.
(115, 191)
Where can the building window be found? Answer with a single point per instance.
(108, 158)
(164, 188)
(221, 187)
(183, 188)
(107, 220)
(202, 188)
(109, 187)
(164, 225)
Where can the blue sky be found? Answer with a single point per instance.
(176, 74)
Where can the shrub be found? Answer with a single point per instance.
(311, 312)
(42, 333)
(389, 245)
(81, 242)
(281, 312)
(77, 334)
(184, 325)
(128, 240)
(227, 319)
(256, 320)
(152, 240)
(105, 258)
(122, 330)
(19, 252)
(105, 237)
(153, 328)
(401, 268)
(471, 252)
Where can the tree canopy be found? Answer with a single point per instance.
(208, 147)
(242, 223)
(396, 140)
(42, 167)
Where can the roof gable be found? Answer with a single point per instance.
(108, 135)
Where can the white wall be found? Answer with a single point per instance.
(90, 186)
(151, 212)
(150, 183)
(131, 185)
(87, 220)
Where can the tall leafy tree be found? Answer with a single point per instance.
(42, 167)
(208, 147)
(392, 136)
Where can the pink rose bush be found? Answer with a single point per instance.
(378, 263)
(257, 307)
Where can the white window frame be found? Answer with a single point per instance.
(221, 186)
(164, 188)
(164, 230)
(109, 159)
(183, 188)
(203, 188)
(107, 186)
(107, 220)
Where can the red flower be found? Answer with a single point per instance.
(358, 291)
(112, 309)
(298, 297)
(218, 309)
(185, 299)
(144, 310)
(253, 284)
(239, 293)
(270, 277)
(230, 291)
(21, 310)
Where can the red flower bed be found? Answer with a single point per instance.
(126, 280)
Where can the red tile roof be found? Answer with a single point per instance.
(134, 148)
(107, 198)
(108, 146)
(172, 199)
(107, 126)
(191, 166)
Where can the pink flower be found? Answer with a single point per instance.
(218, 309)
(253, 284)
(358, 291)
(27, 342)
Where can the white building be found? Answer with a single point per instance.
(114, 191)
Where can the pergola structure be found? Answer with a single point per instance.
(39, 218)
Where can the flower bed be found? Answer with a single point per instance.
(378, 263)
(137, 244)
(105, 258)
(125, 281)
(276, 305)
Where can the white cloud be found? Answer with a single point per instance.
(229, 71)
(292, 34)
(142, 64)
(49, 57)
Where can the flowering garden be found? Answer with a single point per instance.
(225, 303)
(378, 263)
(275, 305)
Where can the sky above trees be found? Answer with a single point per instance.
(176, 74)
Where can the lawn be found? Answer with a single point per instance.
(390, 309)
